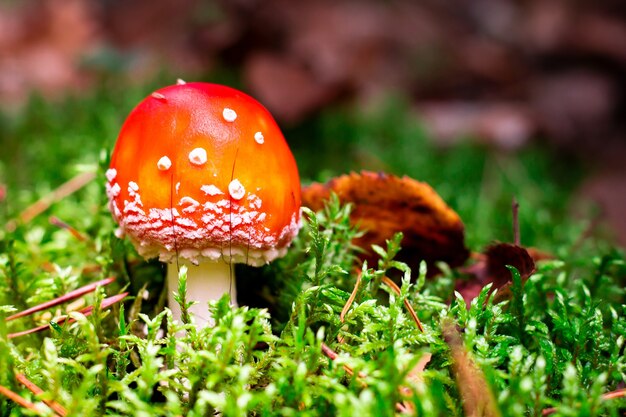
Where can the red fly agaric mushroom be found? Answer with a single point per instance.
(201, 174)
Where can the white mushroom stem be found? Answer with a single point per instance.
(205, 282)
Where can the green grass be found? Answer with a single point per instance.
(558, 342)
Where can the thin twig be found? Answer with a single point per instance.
(107, 302)
(55, 221)
(332, 355)
(608, 396)
(614, 394)
(62, 299)
(61, 192)
(516, 235)
(346, 307)
(408, 306)
(58, 408)
(23, 402)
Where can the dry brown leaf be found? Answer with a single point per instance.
(385, 204)
(492, 268)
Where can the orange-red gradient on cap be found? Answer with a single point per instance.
(210, 155)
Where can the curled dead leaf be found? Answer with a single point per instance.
(385, 204)
(491, 267)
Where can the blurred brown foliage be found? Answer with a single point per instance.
(500, 69)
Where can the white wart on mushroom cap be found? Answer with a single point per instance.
(202, 171)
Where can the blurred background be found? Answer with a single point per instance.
(355, 84)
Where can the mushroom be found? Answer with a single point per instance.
(201, 175)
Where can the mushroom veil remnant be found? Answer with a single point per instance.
(202, 175)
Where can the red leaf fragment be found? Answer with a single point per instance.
(492, 268)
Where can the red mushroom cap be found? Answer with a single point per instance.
(203, 171)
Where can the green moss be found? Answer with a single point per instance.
(558, 342)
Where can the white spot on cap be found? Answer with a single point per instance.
(177, 187)
(255, 201)
(198, 156)
(164, 163)
(229, 115)
(111, 174)
(132, 187)
(113, 190)
(211, 190)
(158, 96)
(180, 81)
(191, 204)
(236, 189)
(258, 137)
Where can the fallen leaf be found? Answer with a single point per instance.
(385, 204)
(491, 267)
